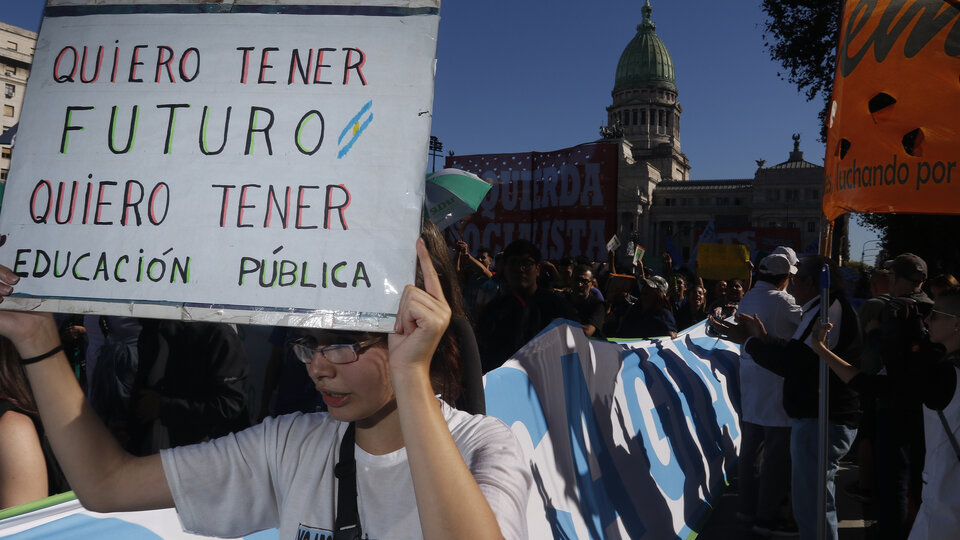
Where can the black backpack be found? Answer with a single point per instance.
(902, 333)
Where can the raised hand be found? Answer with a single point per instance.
(818, 337)
(32, 333)
(752, 325)
(422, 318)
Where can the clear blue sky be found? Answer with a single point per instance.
(516, 76)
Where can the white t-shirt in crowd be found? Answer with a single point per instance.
(939, 514)
(761, 390)
(280, 474)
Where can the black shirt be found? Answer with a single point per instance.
(510, 321)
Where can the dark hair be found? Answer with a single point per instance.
(810, 265)
(446, 271)
(520, 247)
(446, 368)
(581, 268)
(13, 381)
(946, 281)
(773, 279)
(482, 250)
(950, 300)
(565, 261)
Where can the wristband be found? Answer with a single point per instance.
(48, 354)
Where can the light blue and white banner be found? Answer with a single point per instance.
(71, 520)
(625, 440)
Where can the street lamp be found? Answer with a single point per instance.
(436, 147)
(863, 250)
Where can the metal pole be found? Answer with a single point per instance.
(823, 412)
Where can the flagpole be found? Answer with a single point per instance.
(823, 411)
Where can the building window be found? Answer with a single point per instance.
(811, 226)
(5, 153)
(3, 174)
(737, 201)
(8, 110)
(669, 202)
(772, 224)
(667, 227)
(812, 194)
(773, 194)
(722, 201)
(634, 117)
(9, 90)
(10, 70)
(12, 45)
(643, 117)
(793, 194)
(793, 225)
(684, 202)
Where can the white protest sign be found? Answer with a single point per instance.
(613, 243)
(242, 162)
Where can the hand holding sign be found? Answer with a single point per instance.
(421, 320)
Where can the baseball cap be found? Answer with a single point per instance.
(787, 252)
(656, 282)
(909, 266)
(776, 264)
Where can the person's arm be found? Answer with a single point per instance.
(104, 476)
(449, 501)
(464, 249)
(766, 351)
(844, 370)
(23, 473)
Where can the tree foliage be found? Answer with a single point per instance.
(929, 236)
(802, 36)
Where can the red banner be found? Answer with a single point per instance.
(564, 201)
(894, 125)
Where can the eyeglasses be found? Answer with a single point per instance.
(936, 313)
(339, 353)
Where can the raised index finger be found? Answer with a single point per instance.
(431, 281)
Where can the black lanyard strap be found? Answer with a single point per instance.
(347, 525)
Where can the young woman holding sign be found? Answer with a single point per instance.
(418, 467)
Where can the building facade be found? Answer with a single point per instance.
(16, 55)
(659, 205)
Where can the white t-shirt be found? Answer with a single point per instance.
(280, 474)
(761, 390)
(939, 514)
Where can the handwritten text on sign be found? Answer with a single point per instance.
(242, 160)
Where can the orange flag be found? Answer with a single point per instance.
(893, 138)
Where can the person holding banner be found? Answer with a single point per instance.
(416, 466)
(933, 375)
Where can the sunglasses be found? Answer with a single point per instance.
(936, 314)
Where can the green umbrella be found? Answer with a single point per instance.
(452, 194)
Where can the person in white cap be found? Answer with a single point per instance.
(764, 423)
(789, 253)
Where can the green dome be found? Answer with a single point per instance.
(645, 62)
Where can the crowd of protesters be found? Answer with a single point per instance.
(162, 384)
(892, 394)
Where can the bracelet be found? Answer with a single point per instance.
(43, 356)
